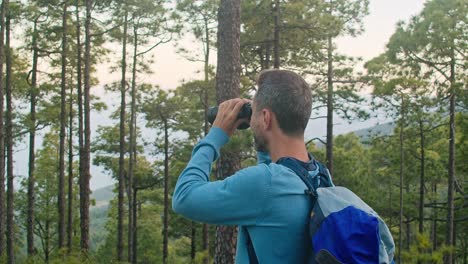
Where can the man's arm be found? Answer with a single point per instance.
(237, 200)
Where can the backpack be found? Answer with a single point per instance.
(342, 227)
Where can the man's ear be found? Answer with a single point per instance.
(267, 118)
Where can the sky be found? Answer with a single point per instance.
(170, 69)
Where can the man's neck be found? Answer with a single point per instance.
(285, 146)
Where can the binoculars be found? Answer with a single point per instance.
(245, 112)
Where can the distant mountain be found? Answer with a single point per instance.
(378, 130)
(98, 215)
(366, 134)
(103, 195)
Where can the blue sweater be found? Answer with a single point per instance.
(267, 199)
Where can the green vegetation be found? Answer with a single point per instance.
(412, 170)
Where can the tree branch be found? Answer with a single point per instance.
(317, 117)
(316, 138)
(110, 29)
(154, 46)
(429, 63)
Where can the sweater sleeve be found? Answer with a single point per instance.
(236, 200)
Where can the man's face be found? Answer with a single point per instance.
(261, 143)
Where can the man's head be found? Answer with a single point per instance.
(282, 104)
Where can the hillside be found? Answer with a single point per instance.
(379, 130)
(102, 196)
(98, 214)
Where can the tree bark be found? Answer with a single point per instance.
(9, 142)
(135, 226)
(47, 241)
(390, 197)
(132, 148)
(2, 135)
(434, 222)
(80, 108)
(206, 128)
(193, 246)
(70, 173)
(227, 87)
(451, 162)
(134, 198)
(277, 35)
(84, 208)
(267, 55)
(330, 106)
(407, 220)
(123, 84)
(422, 178)
(166, 191)
(32, 139)
(63, 121)
(400, 225)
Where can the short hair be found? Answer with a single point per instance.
(287, 95)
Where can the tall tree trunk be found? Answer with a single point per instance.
(134, 199)
(84, 208)
(134, 192)
(408, 220)
(330, 106)
(47, 241)
(400, 225)
(226, 236)
(464, 254)
(455, 238)
(2, 135)
(193, 248)
(9, 143)
(267, 55)
(277, 34)
(422, 179)
(227, 87)
(390, 197)
(206, 128)
(80, 108)
(131, 161)
(32, 139)
(70, 173)
(135, 226)
(166, 191)
(434, 220)
(451, 162)
(63, 121)
(123, 84)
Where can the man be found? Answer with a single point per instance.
(266, 201)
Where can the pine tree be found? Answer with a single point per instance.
(2, 135)
(10, 226)
(63, 121)
(436, 41)
(32, 139)
(80, 117)
(123, 87)
(227, 87)
(200, 17)
(85, 173)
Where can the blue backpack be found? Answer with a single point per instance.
(342, 227)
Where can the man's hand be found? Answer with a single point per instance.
(226, 118)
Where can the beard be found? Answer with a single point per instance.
(260, 143)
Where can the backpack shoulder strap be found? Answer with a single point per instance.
(300, 171)
(324, 174)
(250, 249)
(323, 180)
